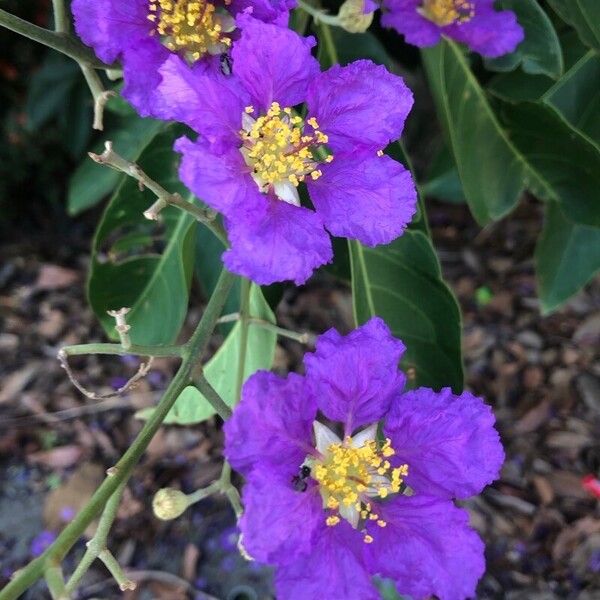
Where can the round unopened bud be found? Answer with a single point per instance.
(352, 16)
(169, 503)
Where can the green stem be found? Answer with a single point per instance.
(203, 493)
(56, 582)
(318, 15)
(303, 338)
(213, 397)
(329, 43)
(122, 470)
(61, 18)
(244, 319)
(82, 349)
(110, 562)
(230, 491)
(98, 541)
(61, 42)
(99, 94)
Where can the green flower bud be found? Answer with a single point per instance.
(352, 18)
(169, 503)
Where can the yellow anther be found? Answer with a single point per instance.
(278, 152)
(332, 520)
(193, 28)
(249, 109)
(368, 539)
(348, 476)
(448, 12)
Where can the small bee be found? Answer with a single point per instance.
(226, 64)
(299, 481)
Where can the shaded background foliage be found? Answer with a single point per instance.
(499, 141)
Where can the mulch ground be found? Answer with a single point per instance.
(542, 375)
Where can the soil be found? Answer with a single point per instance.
(542, 375)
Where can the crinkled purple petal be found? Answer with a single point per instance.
(279, 524)
(402, 16)
(111, 26)
(208, 102)
(334, 570)
(268, 11)
(141, 65)
(361, 105)
(449, 442)
(278, 242)
(427, 548)
(491, 33)
(370, 6)
(364, 197)
(220, 180)
(274, 64)
(355, 377)
(271, 424)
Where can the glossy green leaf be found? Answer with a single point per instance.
(91, 182)
(567, 257)
(442, 181)
(191, 407)
(539, 53)
(140, 264)
(519, 87)
(402, 283)
(584, 16)
(492, 171)
(568, 162)
(577, 95)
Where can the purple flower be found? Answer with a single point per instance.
(41, 542)
(255, 149)
(473, 22)
(330, 506)
(145, 33)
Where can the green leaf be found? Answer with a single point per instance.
(584, 16)
(443, 181)
(531, 147)
(402, 283)
(58, 93)
(567, 257)
(492, 171)
(568, 162)
(91, 182)
(191, 406)
(576, 95)
(539, 53)
(354, 46)
(519, 87)
(140, 264)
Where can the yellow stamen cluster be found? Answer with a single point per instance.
(447, 12)
(278, 149)
(349, 476)
(189, 26)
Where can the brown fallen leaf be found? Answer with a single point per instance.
(16, 382)
(61, 457)
(53, 277)
(67, 499)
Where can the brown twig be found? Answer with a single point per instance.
(142, 372)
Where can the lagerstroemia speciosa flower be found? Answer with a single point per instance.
(348, 476)
(145, 33)
(473, 22)
(257, 148)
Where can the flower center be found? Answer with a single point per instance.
(447, 12)
(282, 150)
(349, 475)
(192, 27)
